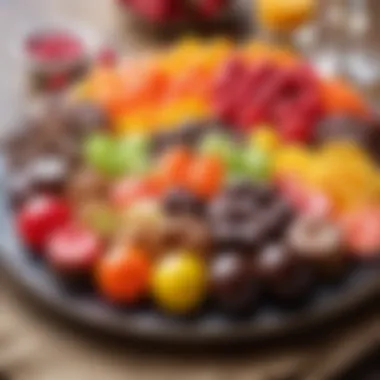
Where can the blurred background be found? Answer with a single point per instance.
(340, 37)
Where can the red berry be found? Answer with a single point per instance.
(257, 77)
(41, 216)
(73, 248)
(251, 116)
(296, 128)
(229, 77)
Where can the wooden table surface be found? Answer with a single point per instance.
(34, 346)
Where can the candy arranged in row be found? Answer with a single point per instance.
(185, 233)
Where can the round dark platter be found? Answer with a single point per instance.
(328, 302)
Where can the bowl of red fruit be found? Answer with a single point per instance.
(232, 197)
(183, 14)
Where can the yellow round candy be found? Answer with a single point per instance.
(342, 151)
(294, 160)
(179, 282)
(266, 138)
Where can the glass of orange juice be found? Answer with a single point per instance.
(278, 19)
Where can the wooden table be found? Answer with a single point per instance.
(35, 346)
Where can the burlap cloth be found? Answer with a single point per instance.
(34, 346)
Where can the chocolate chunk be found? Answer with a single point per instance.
(230, 210)
(285, 277)
(179, 202)
(86, 184)
(272, 262)
(365, 133)
(84, 118)
(318, 242)
(49, 173)
(232, 285)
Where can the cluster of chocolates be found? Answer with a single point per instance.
(201, 212)
(44, 151)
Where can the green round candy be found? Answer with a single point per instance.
(217, 144)
(134, 153)
(236, 163)
(101, 153)
(258, 164)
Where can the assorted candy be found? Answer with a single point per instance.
(209, 176)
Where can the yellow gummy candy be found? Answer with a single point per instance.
(294, 160)
(266, 138)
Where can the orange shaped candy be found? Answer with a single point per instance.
(173, 168)
(123, 276)
(339, 97)
(206, 176)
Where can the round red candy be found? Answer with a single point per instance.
(73, 249)
(40, 217)
(361, 231)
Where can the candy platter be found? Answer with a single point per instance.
(237, 197)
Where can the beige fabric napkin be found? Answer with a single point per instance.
(36, 346)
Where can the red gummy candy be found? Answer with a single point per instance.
(41, 216)
(73, 248)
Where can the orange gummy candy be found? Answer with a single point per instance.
(340, 97)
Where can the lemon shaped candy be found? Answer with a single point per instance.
(179, 282)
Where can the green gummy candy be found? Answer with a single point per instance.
(134, 153)
(101, 152)
(258, 164)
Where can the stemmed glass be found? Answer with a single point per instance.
(363, 55)
(323, 40)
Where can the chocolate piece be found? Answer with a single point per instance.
(275, 219)
(49, 174)
(342, 127)
(188, 134)
(18, 146)
(84, 118)
(318, 242)
(286, 278)
(240, 189)
(189, 233)
(86, 184)
(178, 201)
(246, 215)
(243, 237)
(272, 262)
(230, 210)
(232, 285)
